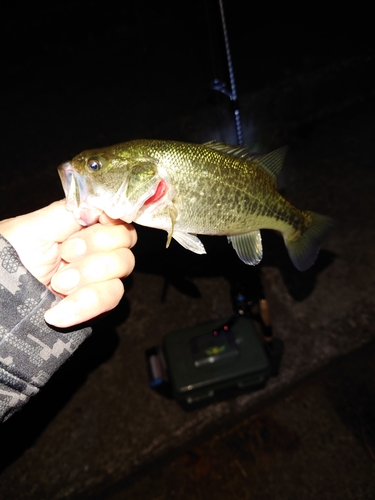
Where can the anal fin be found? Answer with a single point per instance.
(248, 247)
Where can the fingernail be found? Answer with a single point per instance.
(65, 280)
(75, 247)
(63, 314)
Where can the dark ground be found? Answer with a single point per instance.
(79, 79)
(316, 441)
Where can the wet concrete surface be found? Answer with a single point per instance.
(97, 430)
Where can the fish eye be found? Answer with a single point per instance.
(94, 164)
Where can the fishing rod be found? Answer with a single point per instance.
(250, 292)
(221, 86)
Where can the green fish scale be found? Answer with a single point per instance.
(217, 192)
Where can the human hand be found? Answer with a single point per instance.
(83, 265)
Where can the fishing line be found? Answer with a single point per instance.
(220, 86)
(211, 36)
(233, 89)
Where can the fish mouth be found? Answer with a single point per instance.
(75, 189)
(88, 201)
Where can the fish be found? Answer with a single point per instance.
(193, 189)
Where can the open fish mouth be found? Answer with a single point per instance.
(87, 203)
(75, 189)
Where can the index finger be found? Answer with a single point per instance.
(49, 224)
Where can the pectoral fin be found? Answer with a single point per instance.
(248, 247)
(172, 210)
(189, 241)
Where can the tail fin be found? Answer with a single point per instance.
(304, 251)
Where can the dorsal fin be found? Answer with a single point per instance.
(239, 151)
(273, 162)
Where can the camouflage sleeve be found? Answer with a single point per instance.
(30, 351)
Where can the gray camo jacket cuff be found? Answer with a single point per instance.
(30, 350)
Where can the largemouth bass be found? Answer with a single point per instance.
(189, 189)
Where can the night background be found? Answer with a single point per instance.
(80, 75)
